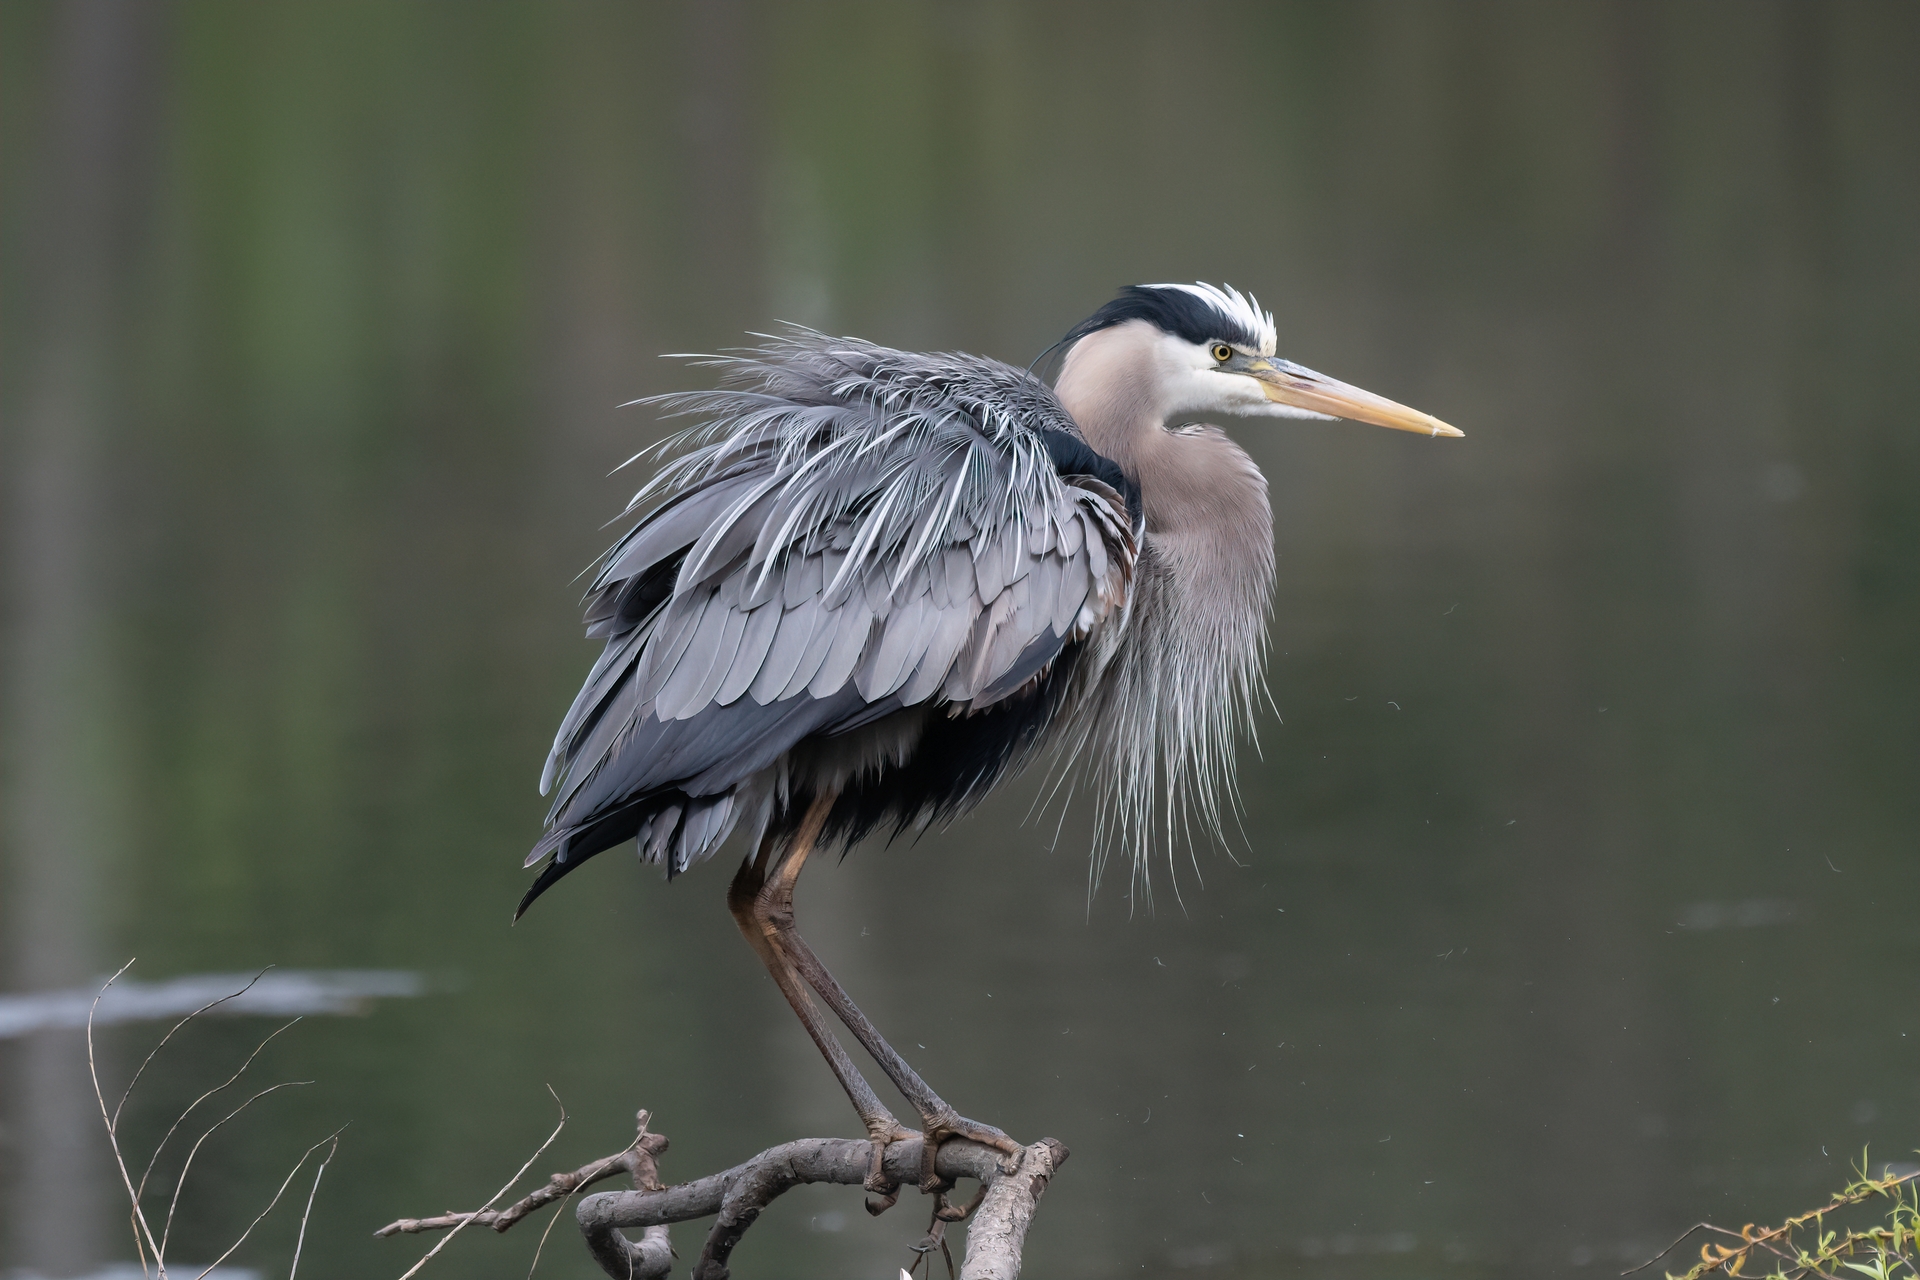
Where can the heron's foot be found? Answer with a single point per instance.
(883, 1191)
(947, 1125)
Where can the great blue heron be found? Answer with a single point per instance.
(872, 584)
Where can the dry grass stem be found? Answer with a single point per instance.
(171, 1031)
(285, 1182)
(166, 1231)
(542, 1246)
(467, 1219)
(143, 1240)
(146, 1244)
(300, 1240)
(181, 1119)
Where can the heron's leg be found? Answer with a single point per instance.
(744, 897)
(938, 1120)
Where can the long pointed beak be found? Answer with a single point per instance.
(1290, 384)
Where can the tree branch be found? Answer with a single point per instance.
(1011, 1187)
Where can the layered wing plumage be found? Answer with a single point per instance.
(854, 545)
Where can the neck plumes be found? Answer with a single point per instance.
(1191, 660)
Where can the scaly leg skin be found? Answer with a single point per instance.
(772, 911)
(743, 897)
(938, 1121)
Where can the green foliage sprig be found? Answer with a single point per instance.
(1803, 1247)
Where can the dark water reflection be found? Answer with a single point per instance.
(1577, 895)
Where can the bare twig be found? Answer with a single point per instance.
(299, 1241)
(467, 1219)
(181, 1119)
(166, 1231)
(1698, 1226)
(637, 1161)
(155, 1051)
(145, 1242)
(259, 1217)
(142, 1233)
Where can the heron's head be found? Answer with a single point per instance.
(1194, 350)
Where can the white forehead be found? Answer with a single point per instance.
(1241, 310)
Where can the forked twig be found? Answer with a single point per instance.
(467, 1219)
(299, 1241)
(637, 1159)
(142, 1233)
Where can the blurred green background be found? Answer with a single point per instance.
(1577, 896)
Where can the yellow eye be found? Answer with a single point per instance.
(1222, 352)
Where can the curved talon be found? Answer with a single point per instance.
(936, 1238)
(881, 1185)
(882, 1190)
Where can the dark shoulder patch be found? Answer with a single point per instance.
(1073, 456)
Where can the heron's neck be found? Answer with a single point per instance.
(1204, 500)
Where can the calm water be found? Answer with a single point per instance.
(1576, 899)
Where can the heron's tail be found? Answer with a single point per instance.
(671, 828)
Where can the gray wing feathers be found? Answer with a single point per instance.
(902, 643)
(782, 660)
(708, 690)
(948, 629)
(852, 531)
(1045, 586)
(674, 634)
(1072, 534)
(824, 629)
(937, 593)
(1069, 594)
(671, 530)
(852, 625)
(989, 567)
(609, 673)
(960, 582)
(731, 535)
(762, 625)
(675, 699)
(802, 579)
